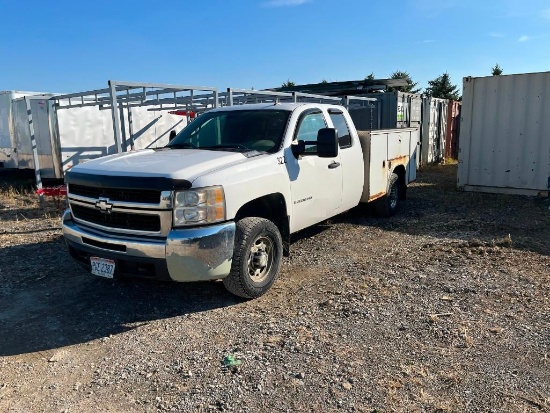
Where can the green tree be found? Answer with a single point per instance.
(496, 70)
(411, 85)
(370, 77)
(441, 87)
(288, 83)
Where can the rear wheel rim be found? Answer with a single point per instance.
(260, 259)
(393, 196)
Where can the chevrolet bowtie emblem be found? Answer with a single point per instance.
(104, 206)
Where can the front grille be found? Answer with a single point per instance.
(104, 245)
(121, 220)
(149, 196)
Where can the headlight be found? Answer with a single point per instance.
(199, 206)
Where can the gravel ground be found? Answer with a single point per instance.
(443, 308)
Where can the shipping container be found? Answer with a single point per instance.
(504, 136)
(434, 130)
(398, 109)
(453, 129)
(366, 117)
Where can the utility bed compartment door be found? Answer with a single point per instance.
(376, 168)
(398, 145)
(383, 151)
(402, 150)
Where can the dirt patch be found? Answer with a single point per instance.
(443, 308)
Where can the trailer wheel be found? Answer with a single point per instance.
(257, 258)
(389, 203)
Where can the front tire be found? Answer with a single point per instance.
(257, 258)
(389, 203)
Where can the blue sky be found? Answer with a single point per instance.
(69, 46)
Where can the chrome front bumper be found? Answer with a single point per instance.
(190, 254)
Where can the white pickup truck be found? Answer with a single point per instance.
(221, 200)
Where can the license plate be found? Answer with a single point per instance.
(102, 267)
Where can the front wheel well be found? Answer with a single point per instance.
(273, 208)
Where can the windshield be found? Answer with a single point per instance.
(241, 130)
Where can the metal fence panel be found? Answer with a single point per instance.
(84, 133)
(151, 126)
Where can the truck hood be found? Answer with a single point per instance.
(186, 164)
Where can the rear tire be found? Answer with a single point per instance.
(389, 203)
(257, 258)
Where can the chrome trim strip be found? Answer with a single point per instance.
(164, 203)
(191, 254)
(117, 208)
(145, 249)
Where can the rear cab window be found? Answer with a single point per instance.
(340, 124)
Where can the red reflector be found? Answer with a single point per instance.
(183, 113)
(53, 191)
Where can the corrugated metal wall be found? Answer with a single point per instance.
(365, 118)
(434, 130)
(505, 134)
(453, 129)
(398, 109)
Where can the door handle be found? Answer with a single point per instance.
(333, 165)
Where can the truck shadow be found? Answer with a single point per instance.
(47, 301)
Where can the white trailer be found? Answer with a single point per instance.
(8, 142)
(51, 133)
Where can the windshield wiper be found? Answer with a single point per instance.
(185, 145)
(229, 146)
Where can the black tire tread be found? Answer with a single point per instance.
(382, 205)
(245, 228)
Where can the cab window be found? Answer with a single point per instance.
(308, 128)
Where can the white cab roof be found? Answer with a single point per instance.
(276, 106)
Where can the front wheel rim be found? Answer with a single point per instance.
(260, 258)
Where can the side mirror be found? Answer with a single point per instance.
(327, 143)
(298, 148)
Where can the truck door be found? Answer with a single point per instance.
(315, 183)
